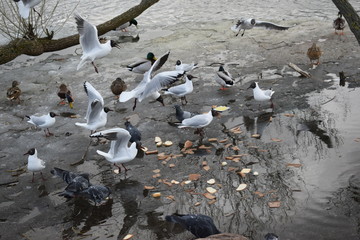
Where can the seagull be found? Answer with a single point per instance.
(224, 78)
(200, 225)
(135, 134)
(251, 22)
(64, 93)
(183, 89)
(91, 46)
(150, 86)
(25, 5)
(339, 24)
(180, 114)
(261, 95)
(117, 87)
(43, 122)
(35, 164)
(119, 151)
(144, 65)
(96, 114)
(199, 121)
(271, 236)
(185, 67)
(14, 92)
(124, 27)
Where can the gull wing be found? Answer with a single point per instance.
(270, 25)
(95, 111)
(93, 95)
(88, 34)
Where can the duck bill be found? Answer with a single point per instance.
(71, 105)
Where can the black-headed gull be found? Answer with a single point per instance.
(251, 23)
(43, 122)
(65, 94)
(199, 121)
(150, 86)
(259, 94)
(143, 65)
(91, 46)
(182, 90)
(200, 225)
(187, 67)
(119, 151)
(96, 115)
(124, 27)
(25, 6)
(224, 78)
(35, 164)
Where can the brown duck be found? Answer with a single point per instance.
(314, 54)
(339, 24)
(65, 94)
(14, 92)
(117, 87)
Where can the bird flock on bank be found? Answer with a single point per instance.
(126, 142)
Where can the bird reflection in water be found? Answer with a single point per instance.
(257, 125)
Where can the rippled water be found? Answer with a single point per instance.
(319, 194)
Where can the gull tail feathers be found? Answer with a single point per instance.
(81, 63)
(126, 96)
(24, 11)
(104, 154)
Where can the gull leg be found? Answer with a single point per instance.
(126, 169)
(134, 104)
(42, 177)
(50, 134)
(118, 167)
(96, 70)
(32, 180)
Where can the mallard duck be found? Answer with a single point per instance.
(65, 94)
(314, 53)
(117, 87)
(339, 24)
(143, 65)
(14, 92)
(224, 78)
(128, 24)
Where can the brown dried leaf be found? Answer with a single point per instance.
(256, 135)
(149, 187)
(197, 204)
(260, 194)
(231, 169)
(204, 147)
(212, 201)
(209, 196)
(236, 159)
(204, 163)
(170, 197)
(194, 176)
(223, 140)
(235, 148)
(171, 165)
(275, 204)
(229, 158)
(227, 145)
(206, 168)
(276, 139)
(297, 165)
(188, 144)
(156, 195)
(167, 183)
(127, 237)
(156, 175)
(156, 171)
(151, 152)
(212, 139)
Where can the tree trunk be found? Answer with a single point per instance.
(350, 15)
(38, 46)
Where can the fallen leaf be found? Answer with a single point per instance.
(256, 135)
(197, 204)
(167, 183)
(188, 144)
(151, 152)
(127, 237)
(229, 158)
(156, 195)
(289, 115)
(211, 181)
(171, 165)
(227, 145)
(204, 163)
(212, 201)
(275, 204)
(174, 182)
(187, 182)
(235, 148)
(212, 139)
(223, 141)
(260, 194)
(236, 159)
(156, 171)
(231, 169)
(156, 175)
(194, 176)
(276, 139)
(204, 147)
(206, 168)
(211, 190)
(246, 170)
(297, 165)
(168, 143)
(171, 197)
(209, 196)
(241, 187)
(149, 187)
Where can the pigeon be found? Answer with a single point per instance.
(251, 23)
(200, 225)
(96, 194)
(96, 115)
(91, 46)
(224, 78)
(35, 164)
(119, 151)
(65, 94)
(180, 114)
(135, 134)
(43, 122)
(183, 89)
